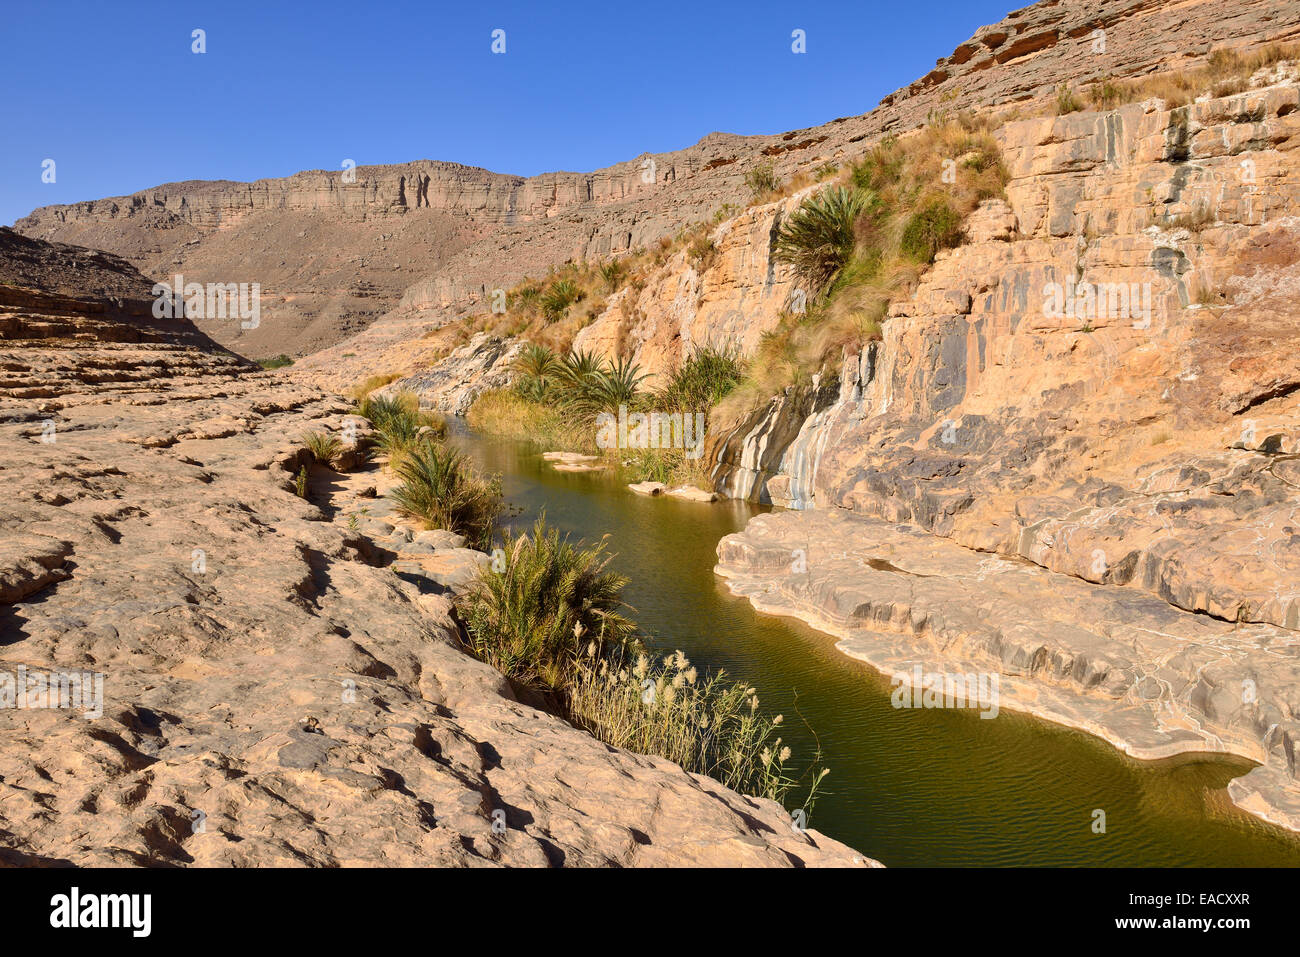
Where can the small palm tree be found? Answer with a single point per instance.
(438, 488)
(559, 297)
(614, 385)
(536, 369)
(817, 239)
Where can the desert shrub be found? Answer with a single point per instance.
(300, 483)
(818, 238)
(762, 180)
(439, 489)
(275, 362)
(529, 613)
(701, 381)
(1066, 101)
(935, 226)
(702, 253)
(1106, 95)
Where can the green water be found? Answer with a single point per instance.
(908, 787)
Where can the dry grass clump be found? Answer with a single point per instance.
(508, 413)
(708, 724)
(1225, 73)
(368, 385)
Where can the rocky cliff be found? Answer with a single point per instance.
(1081, 433)
(409, 246)
(1071, 458)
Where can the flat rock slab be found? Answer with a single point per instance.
(227, 617)
(692, 494)
(1152, 679)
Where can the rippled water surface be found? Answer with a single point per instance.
(908, 787)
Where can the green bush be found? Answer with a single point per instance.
(701, 381)
(439, 489)
(539, 602)
(936, 225)
(761, 180)
(1066, 101)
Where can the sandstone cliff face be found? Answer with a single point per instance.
(415, 244)
(1138, 441)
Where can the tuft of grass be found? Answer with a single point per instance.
(706, 723)
(1106, 95)
(762, 181)
(542, 600)
(1193, 220)
(324, 448)
(1224, 73)
(368, 385)
(439, 489)
(612, 273)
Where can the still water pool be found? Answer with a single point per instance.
(908, 787)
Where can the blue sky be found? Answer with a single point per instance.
(113, 94)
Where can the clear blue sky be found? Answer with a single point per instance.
(113, 94)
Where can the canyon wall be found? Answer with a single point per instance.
(1085, 424)
(412, 246)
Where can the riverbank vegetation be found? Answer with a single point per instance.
(864, 241)
(558, 401)
(549, 615)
